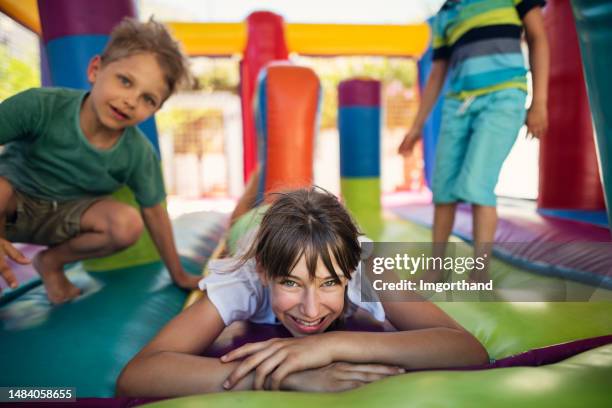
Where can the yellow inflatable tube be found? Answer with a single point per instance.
(24, 12)
(309, 39)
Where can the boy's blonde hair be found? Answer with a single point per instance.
(132, 37)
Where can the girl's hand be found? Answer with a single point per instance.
(537, 120)
(186, 280)
(337, 377)
(277, 358)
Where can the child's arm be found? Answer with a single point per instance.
(20, 115)
(337, 377)
(158, 223)
(170, 364)
(428, 100)
(539, 61)
(19, 118)
(426, 338)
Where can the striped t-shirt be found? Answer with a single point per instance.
(481, 39)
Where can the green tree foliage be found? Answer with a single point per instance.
(217, 74)
(16, 75)
(332, 71)
(172, 121)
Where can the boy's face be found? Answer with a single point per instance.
(127, 91)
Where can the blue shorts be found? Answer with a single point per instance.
(475, 138)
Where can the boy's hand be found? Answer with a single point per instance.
(338, 377)
(186, 280)
(537, 120)
(277, 358)
(8, 250)
(409, 141)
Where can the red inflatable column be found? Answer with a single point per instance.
(569, 176)
(292, 95)
(265, 43)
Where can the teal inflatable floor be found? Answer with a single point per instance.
(86, 343)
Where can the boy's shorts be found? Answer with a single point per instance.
(476, 136)
(42, 222)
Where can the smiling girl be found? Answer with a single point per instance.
(299, 271)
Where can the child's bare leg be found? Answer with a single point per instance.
(7, 203)
(107, 227)
(7, 208)
(444, 218)
(484, 225)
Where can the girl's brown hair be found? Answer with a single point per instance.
(310, 223)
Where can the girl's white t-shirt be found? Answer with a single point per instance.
(238, 293)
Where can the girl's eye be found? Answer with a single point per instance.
(289, 283)
(331, 282)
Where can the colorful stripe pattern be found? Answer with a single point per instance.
(481, 39)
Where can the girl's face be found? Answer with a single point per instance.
(307, 306)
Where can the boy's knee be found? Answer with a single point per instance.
(6, 193)
(126, 227)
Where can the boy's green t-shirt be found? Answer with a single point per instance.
(46, 154)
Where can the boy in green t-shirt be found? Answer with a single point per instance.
(66, 150)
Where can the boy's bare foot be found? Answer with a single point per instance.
(59, 288)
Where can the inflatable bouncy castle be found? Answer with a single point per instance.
(550, 346)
